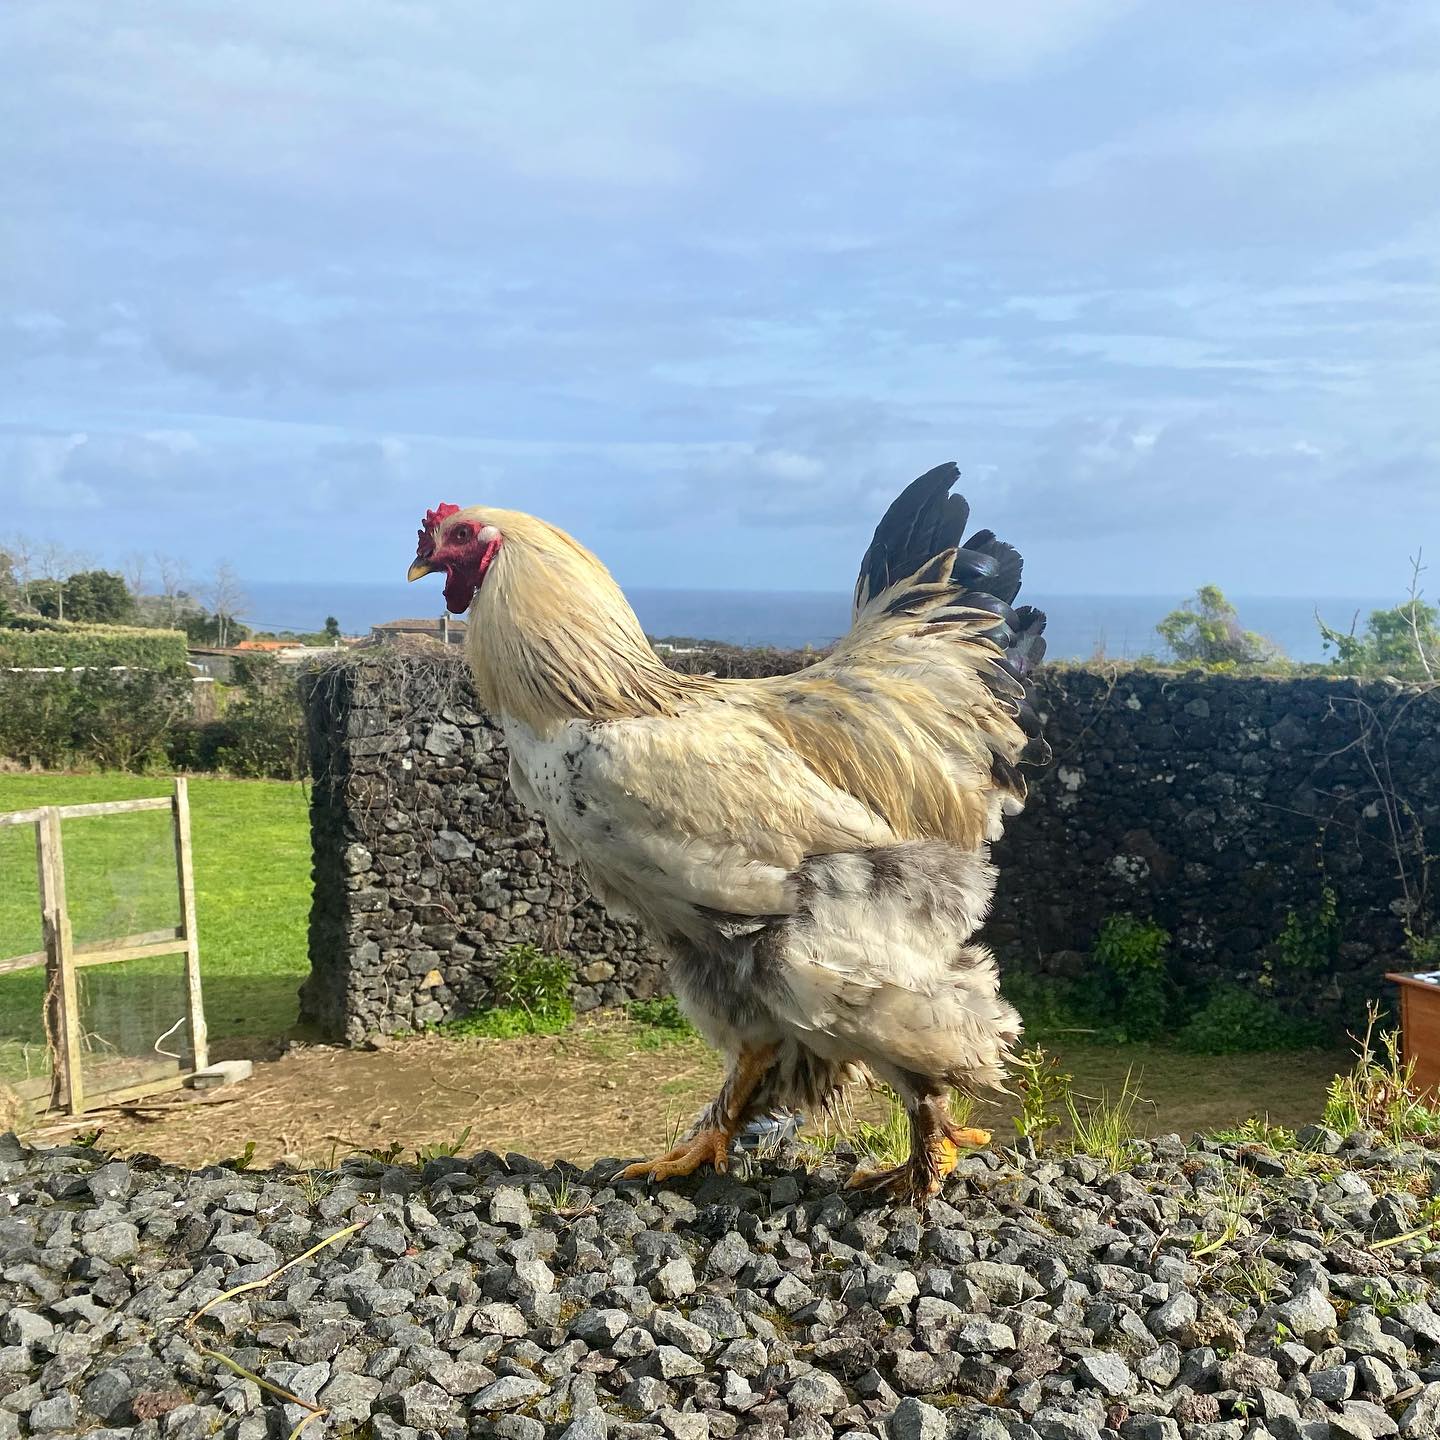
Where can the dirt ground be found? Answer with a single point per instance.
(605, 1088)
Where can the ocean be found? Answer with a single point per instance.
(1080, 626)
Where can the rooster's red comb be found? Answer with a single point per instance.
(425, 546)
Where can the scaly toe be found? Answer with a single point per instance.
(975, 1139)
(708, 1147)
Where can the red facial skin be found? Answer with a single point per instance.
(459, 552)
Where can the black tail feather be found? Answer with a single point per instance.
(913, 541)
(924, 521)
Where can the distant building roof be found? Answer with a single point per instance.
(443, 629)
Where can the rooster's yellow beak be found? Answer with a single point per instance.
(420, 568)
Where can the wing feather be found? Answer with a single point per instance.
(913, 728)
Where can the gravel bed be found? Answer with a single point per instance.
(1208, 1290)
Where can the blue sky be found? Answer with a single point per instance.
(706, 284)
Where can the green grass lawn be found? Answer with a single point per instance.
(252, 893)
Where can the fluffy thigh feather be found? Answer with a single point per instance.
(873, 968)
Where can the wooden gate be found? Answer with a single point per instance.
(63, 959)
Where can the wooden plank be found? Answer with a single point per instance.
(22, 817)
(60, 943)
(23, 962)
(103, 1099)
(50, 1006)
(1420, 1030)
(129, 942)
(184, 866)
(79, 812)
(112, 807)
(173, 946)
(131, 947)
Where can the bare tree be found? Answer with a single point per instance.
(225, 597)
(135, 567)
(172, 581)
(55, 563)
(1413, 614)
(21, 551)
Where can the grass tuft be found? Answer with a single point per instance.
(1101, 1127)
(661, 1023)
(1379, 1092)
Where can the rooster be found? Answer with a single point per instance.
(810, 852)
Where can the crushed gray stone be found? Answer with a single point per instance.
(1042, 1297)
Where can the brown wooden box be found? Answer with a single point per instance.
(1420, 1028)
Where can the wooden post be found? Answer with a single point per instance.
(199, 1040)
(59, 948)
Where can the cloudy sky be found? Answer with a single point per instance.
(706, 283)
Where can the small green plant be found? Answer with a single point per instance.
(1253, 1279)
(1258, 1131)
(661, 1022)
(442, 1149)
(1233, 1195)
(1378, 1093)
(1044, 1091)
(388, 1155)
(1102, 1126)
(532, 994)
(887, 1144)
(315, 1185)
(1423, 950)
(1309, 941)
(1130, 961)
(243, 1160)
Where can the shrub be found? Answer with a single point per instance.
(662, 1022)
(261, 734)
(28, 643)
(1206, 631)
(117, 719)
(1233, 1020)
(1310, 941)
(1403, 642)
(532, 997)
(1130, 981)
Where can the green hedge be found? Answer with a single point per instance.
(104, 645)
(116, 719)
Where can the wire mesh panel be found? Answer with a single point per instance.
(134, 1018)
(108, 1006)
(120, 875)
(24, 1053)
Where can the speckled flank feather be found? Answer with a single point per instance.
(811, 850)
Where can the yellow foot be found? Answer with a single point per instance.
(975, 1139)
(705, 1147)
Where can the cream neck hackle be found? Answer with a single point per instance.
(551, 637)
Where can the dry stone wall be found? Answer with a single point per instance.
(1218, 807)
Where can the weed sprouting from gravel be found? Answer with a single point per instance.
(1103, 1126)
(1379, 1091)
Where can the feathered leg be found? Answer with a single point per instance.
(709, 1142)
(935, 1145)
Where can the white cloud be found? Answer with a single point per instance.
(677, 274)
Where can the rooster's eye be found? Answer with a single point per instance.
(462, 535)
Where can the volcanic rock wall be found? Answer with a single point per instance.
(1219, 807)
